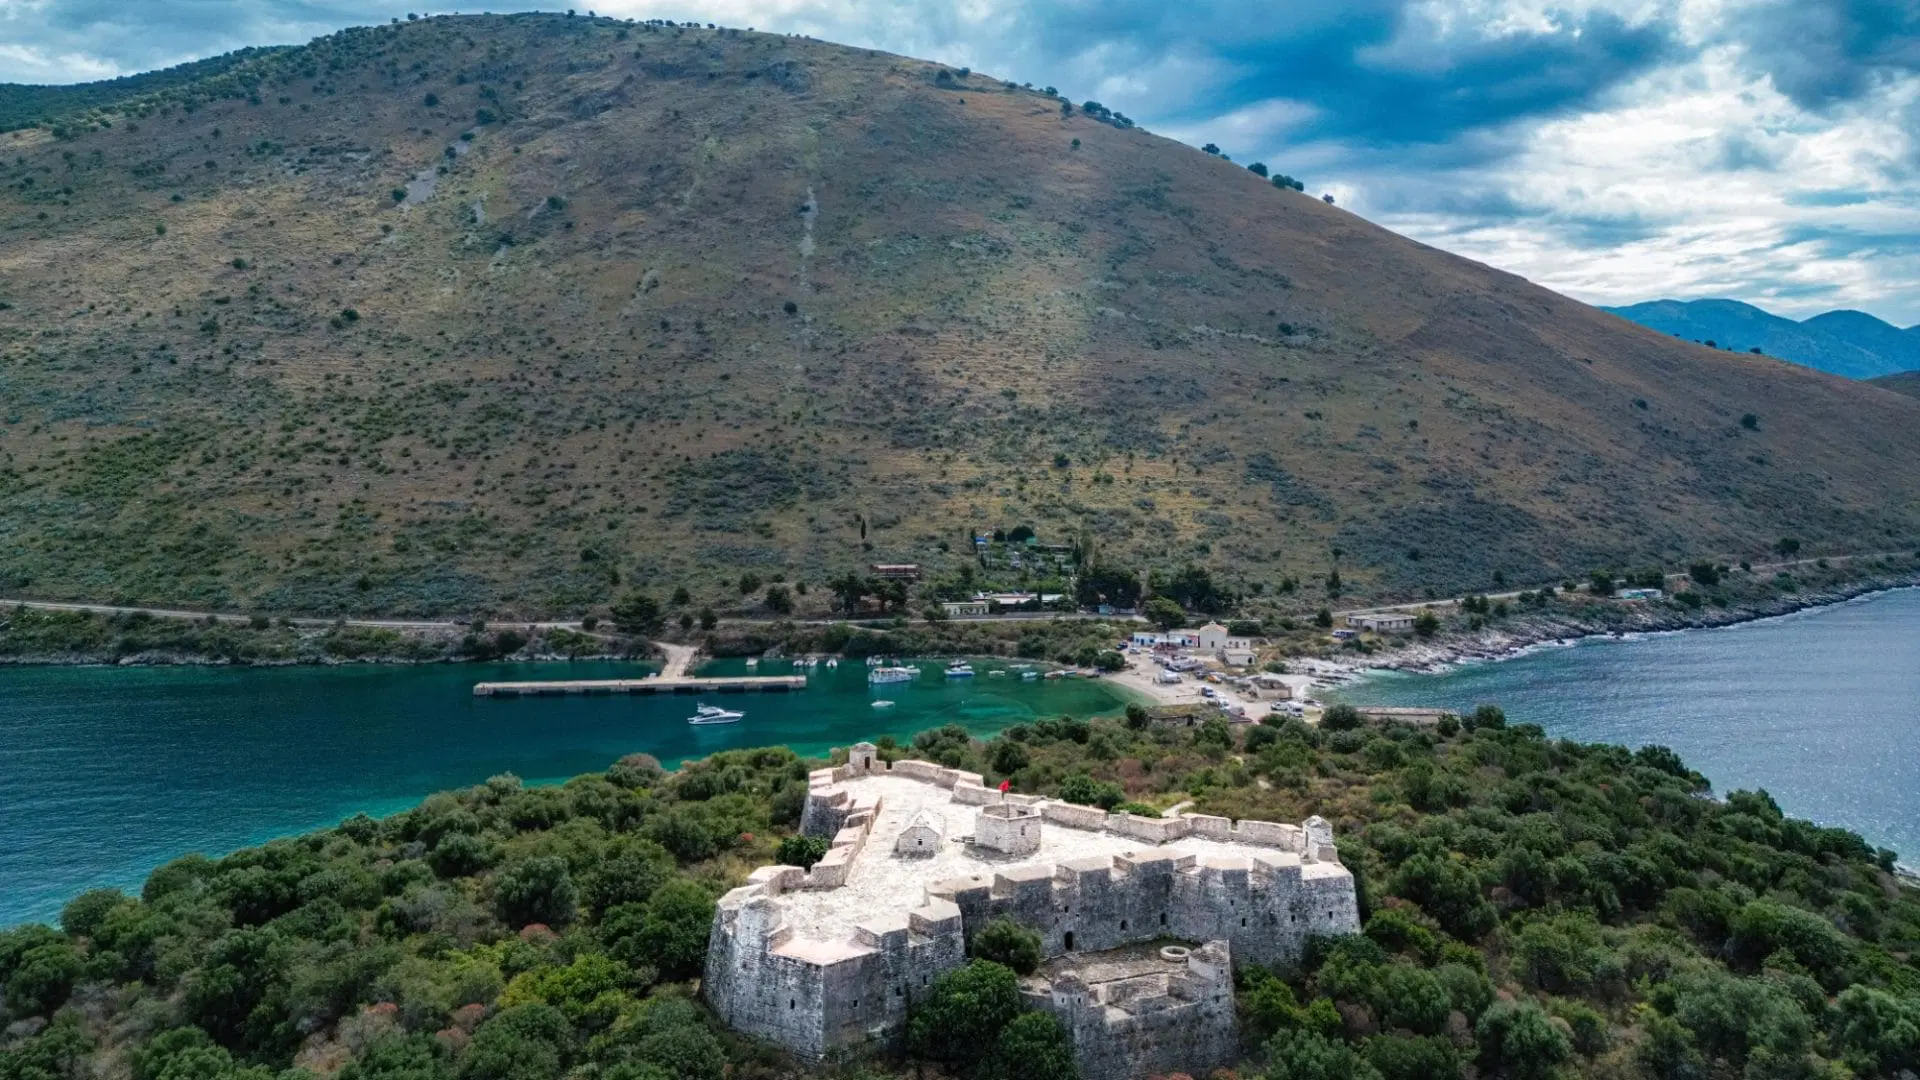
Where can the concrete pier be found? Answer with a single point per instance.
(681, 685)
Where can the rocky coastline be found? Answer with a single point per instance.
(1521, 634)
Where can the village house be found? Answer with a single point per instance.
(896, 571)
(958, 608)
(1283, 687)
(1385, 622)
(1216, 639)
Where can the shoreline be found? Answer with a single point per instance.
(1517, 635)
(1528, 634)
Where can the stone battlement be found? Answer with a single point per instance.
(830, 957)
(1147, 1010)
(829, 802)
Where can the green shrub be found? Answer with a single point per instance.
(1520, 1040)
(962, 1016)
(1033, 1046)
(537, 890)
(1007, 943)
(802, 851)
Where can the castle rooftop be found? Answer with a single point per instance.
(878, 881)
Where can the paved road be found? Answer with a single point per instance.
(229, 617)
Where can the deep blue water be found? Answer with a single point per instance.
(1821, 708)
(105, 773)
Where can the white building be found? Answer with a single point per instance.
(1385, 622)
(959, 608)
(1214, 638)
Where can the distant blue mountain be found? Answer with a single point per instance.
(1850, 343)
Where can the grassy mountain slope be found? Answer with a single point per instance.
(86, 104)
(1907, 382)
(1533, 908)
(670, 303)
(1850, 343)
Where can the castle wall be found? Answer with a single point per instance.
(1118, 1035)
(814, 996)
(753, 988)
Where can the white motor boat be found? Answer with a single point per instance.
(883, 704)
(714, 714)
(959, 669)
(890, 675)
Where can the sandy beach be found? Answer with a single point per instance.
(1141, 674)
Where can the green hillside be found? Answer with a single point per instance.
(1532, 909)
(1907, 382)
(82, 106)
(506, 314)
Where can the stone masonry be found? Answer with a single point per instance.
(1144, 1010)
(828, 958)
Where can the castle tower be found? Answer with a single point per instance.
(1007, 829)
(863, 759)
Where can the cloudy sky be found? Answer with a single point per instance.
(1617, 150)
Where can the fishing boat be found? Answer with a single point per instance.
(890, 675)
(714, 714)
(959, 669)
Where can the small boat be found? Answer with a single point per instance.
(833, 663)
(883, 704)
(714, 714)
(890, 675)
(996, 674)
(1056, 674)
(1029, 676)
(753, 661)
(959, 669)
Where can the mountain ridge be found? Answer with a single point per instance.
(511, 313)
(1845, 342)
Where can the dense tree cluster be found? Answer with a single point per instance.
(1532, 909)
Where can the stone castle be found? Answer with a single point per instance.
(921, 857)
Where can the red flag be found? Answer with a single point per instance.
(1004, 785)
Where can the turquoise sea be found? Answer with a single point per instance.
(105, 773)
(1821, 708)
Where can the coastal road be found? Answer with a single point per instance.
(1017, 616)
(230, 617)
